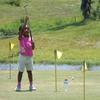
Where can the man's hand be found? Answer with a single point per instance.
(33, 45)
(26, 19)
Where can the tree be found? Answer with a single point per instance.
(86, 8)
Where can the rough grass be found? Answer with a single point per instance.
(55, 24)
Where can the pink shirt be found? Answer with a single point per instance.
(25, 46)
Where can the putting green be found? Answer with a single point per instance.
(45, 84)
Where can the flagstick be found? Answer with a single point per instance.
(83, 80)
(10, 71)
(9, 61)
(55, 54)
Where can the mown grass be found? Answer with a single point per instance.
(55, 24)
(45, 83)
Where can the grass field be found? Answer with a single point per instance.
(45, 83)
(55, 24)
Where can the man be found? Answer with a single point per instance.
(26, 45)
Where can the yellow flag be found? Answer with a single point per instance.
(11, 45)
(84, 65)
(59, 54)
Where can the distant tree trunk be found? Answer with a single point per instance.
(86, 8)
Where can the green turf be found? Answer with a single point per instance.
(55, 24)
(45, 83)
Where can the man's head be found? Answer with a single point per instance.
(25, 30)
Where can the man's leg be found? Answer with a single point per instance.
(30, 77)
(31, 87)
(19, 78)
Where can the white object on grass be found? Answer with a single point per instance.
(66, 85)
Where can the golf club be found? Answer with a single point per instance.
(26, 13)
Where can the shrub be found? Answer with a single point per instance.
(15, 2)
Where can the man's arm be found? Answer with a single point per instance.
(22, 27)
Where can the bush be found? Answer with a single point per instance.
(9, 29)
(15, 2)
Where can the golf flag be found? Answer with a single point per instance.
(59, 54)
(84, 65)
(11, 45)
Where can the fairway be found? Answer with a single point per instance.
(45, 83)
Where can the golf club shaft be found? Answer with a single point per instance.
(26, 12)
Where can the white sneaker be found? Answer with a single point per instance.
(18, 88)
(32, 88)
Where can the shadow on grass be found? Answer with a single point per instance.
(7, 36)
(62, 26)
(23, 91)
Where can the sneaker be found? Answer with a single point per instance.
(18, 88)
(32, 88)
